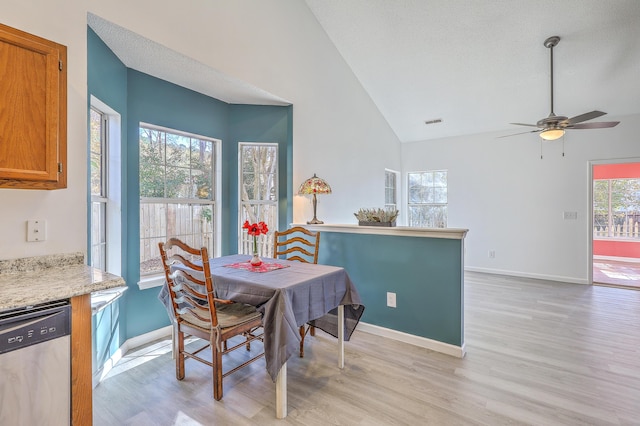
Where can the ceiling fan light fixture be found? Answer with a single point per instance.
(552, 134)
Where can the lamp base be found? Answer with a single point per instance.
(314, 221)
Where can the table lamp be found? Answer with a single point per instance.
(314, 185)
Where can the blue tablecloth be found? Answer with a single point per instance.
(287, 298)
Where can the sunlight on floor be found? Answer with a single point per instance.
(138, 356)
(624, 274)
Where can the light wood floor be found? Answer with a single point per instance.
(538, 353)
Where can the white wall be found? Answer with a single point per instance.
(276, 45)
(64, 209)
(513, 202)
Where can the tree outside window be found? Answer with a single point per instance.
(98, 187)
(177, 181)
(427, 206)
(258, 186)
(616, 208)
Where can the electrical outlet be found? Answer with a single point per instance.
(391, 300)
(492, 254)
(570, 215)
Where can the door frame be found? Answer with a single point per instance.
(590, 222)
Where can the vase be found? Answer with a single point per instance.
(255, 260)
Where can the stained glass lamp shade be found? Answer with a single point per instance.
(313, 186)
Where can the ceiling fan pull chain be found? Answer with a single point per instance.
(563, 145)
(541, 149)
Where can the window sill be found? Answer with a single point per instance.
(102, 299)
(151, 282)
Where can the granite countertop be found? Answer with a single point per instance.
(34, 280)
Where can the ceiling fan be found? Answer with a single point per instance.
(554, 126)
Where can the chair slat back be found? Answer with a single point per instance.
(189, 294)
(296, 243)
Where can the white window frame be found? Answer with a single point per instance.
(112, 196)
(427, 204)
(155, 279)
(391, 188)
(265, 242)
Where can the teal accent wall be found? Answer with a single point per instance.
(425, 273)
(107, 81)
(256, 123)
(106, 326)
(139, 97)
(429, 303)
(158, 102)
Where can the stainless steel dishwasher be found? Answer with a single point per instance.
(35, 365)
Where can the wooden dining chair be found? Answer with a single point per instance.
(301, 245)
(198, 313)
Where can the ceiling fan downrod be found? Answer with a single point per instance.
(550, 43)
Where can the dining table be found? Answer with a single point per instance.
(288, 294)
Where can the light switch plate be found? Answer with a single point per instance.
(36, 230)
(570, 215)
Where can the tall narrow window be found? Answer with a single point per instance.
(427, 205)
(98, 186)
(177, 192)
(258, 185)
(105, 181)
(390, 189)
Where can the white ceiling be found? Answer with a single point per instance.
(477, 65)
(481, 64)
(144, 55)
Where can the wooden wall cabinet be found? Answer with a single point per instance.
(33, 111)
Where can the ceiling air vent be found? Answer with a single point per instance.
(434, 121)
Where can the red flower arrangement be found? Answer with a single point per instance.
(255, 229)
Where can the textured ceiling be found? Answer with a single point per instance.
(151, 58)
(480, 65)
(476, 65)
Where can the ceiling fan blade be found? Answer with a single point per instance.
(524, 124)
(584, 117)
(521, 133)
(596, 125)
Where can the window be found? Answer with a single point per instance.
(104, 181)
(390, 189)
(98, 187)
(178, 187)
(428, 199)
(258, 185)
(616, 208)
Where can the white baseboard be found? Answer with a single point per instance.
(132, 343)
(528, 275)
(423, 342)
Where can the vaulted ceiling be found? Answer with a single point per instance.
(475, 65)
(480, 65)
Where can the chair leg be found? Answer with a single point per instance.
(179, 354)
(217, 371)
(312, 330)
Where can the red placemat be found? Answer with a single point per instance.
(265, 267)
